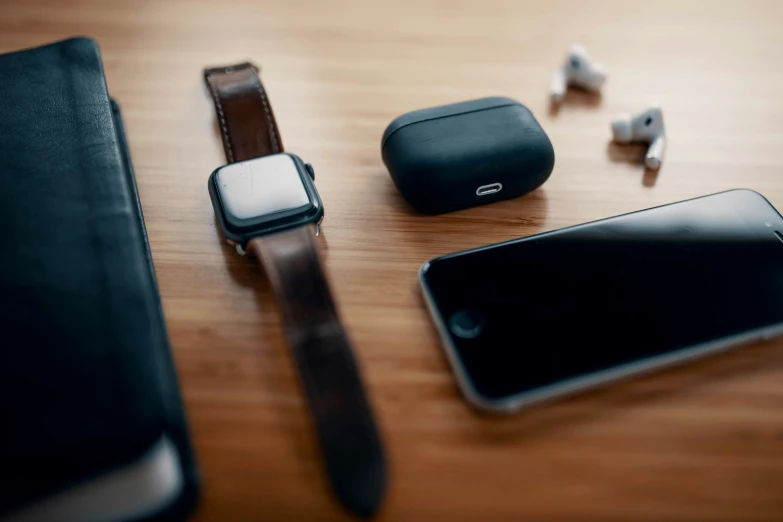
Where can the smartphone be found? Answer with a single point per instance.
(555, 313)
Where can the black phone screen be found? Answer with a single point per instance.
(542, 310)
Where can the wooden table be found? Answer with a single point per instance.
(701, 443)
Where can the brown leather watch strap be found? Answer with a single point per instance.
(347, 432)
(245, 115)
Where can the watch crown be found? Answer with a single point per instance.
(310, 170)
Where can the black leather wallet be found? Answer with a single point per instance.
(88, 391)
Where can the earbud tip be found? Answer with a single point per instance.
(599, 77)
(621, 129)
(652, 163)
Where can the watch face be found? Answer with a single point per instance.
(264, 195)
(260, 187)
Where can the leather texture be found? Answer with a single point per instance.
(247, 123)
(87, 382)
(347, 432)
(438, 158)
(324, 356)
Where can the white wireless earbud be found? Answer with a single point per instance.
(647, 127)
(577, 70)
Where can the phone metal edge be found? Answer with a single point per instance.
(465, 386)
(577, 226)
(572, 386)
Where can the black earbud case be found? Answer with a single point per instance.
(466, 154)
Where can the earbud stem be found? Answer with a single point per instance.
(558, 86)
(655, 153)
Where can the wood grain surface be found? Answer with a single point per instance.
(699, 443)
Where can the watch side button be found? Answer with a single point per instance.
(310, 169)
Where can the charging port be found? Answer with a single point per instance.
(485, 190)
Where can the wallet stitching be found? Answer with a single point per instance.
(270, 120)
(222, 118)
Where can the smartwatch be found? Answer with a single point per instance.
(267, 205)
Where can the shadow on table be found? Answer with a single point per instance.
(633, 154)
(425, 235)
(657, 388)
(575, 97)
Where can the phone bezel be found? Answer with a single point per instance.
(513, 403)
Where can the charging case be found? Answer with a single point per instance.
(466, 154)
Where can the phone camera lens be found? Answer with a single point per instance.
(467, 324)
